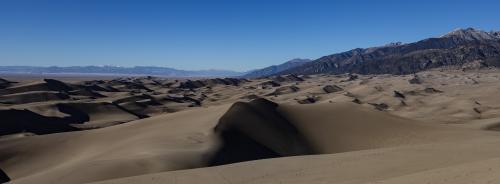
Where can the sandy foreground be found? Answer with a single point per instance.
(432, 127)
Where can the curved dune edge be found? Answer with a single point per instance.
(390, 147)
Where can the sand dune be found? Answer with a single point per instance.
(342, 127)
(255, 130)
(46, 85)
(113, 152)
(5, 83)
(99, 114)
(19, 121)
(69, 106)
(434, 127)
(62, 117)
(359, 150)
(172, 144)
(466, 162)
(33, 96)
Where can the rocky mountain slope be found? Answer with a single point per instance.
(276, 68)
(459, 48)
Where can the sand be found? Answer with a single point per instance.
(442, 128)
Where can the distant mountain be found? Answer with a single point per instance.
(113, 70)
(276, 68)
(459, 48)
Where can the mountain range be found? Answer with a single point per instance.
(114, 70)
(271, 70)
(459, 48)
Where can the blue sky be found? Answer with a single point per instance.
(219, 34)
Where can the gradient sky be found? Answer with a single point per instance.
(219, 34)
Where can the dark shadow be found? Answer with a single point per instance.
(56, 85)
(5, 83)
(256, 130)
(239, 148)
(3, 177)
(18, 121)
(76, 116)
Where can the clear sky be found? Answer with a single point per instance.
(220, 34)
